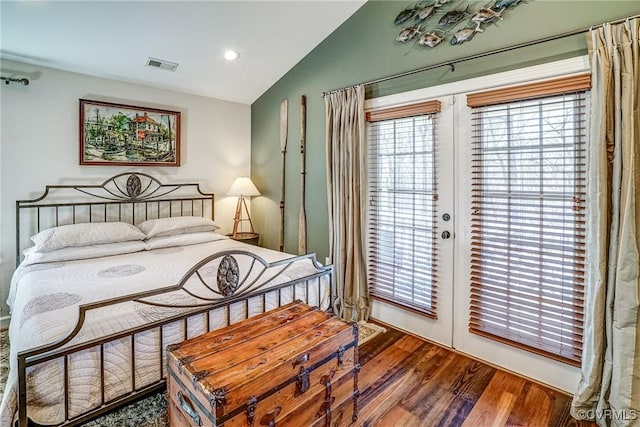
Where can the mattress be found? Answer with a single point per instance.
(44, 299)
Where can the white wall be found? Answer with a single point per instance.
(39, 143)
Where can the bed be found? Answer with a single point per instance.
(90, 324)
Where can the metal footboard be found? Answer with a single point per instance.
(252, 286)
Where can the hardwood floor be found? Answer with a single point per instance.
(407, 382)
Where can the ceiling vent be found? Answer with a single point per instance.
(162, 64)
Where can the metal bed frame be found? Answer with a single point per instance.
(136, 197)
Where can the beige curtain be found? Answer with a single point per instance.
(346, 191)
(609, 390)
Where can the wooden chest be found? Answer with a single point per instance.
(294, 366)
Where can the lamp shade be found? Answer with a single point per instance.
(243, 186)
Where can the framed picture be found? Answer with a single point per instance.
(126, 135)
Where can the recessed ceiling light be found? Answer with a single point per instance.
(231, 55)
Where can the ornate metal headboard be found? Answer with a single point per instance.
(129, 197)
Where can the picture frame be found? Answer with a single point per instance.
(127, 135)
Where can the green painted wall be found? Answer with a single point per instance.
(364, 49)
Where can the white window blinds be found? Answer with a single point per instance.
(401, 253)
(528, 229)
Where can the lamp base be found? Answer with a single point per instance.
(238, 218)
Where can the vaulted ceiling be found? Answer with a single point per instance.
(113, 39)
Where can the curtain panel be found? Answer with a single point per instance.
(347, 193)
(609, 391)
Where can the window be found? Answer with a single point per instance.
(528, 229)
(402, 206)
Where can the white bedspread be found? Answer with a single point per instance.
(45, 297)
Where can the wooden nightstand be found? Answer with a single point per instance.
(250, 238)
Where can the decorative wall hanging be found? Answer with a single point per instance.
(123, 135)
(429, 24)
(302, 226)
(284, 112)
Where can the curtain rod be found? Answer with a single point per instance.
(452, 63)
(8, 80)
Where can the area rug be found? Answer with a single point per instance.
(151, 411)
(4, 361)
(367, 330)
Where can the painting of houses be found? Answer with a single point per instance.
(127, 135)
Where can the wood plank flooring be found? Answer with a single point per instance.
(406, 381)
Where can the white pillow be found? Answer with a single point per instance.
(82, 252)
(183, 240)
(85, 234)
(176, 225)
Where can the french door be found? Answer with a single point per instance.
(411, 218)
(446, 319)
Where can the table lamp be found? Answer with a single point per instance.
(242, 187)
